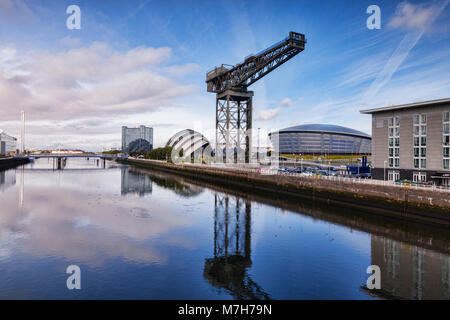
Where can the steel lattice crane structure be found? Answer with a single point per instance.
(234, 101)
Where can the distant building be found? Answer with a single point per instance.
(323, 139)
(412, 142)
(130, 135)
(8, 144)
(65, 151)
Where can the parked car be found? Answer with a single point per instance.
(298, 170)
(283, 170)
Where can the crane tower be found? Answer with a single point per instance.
(234, 101)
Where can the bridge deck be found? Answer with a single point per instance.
(75, 156)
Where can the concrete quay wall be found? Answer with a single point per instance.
(429, 206)
(6, 163)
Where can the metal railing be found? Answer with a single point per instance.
(399, 184)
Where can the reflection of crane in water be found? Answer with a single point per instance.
(232, 250)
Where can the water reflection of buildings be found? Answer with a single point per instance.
(232, 249)
(7, 179)
(175, 183)
(411, 272)
(135, 181)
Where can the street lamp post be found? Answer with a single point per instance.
(384, 170)
(257, 151)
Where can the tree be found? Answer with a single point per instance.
(112, 152)
(159, 153)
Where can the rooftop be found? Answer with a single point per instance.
(429, 103)
(331, 128)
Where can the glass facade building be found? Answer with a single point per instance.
(132, 134)
(318, 139)
(8, 144)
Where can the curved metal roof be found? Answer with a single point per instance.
(190, 141)
(179, 139)
(329, 128)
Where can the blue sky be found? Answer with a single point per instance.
(144, 62)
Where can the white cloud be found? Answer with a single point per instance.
(86, 82)
(70, 41)
(286, 102)
(179, 71)
(268, 114)
(410, 16)
(82, 96)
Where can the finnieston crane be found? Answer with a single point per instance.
(234, 101)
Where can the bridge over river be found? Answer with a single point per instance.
(59, 159)
(74, 155)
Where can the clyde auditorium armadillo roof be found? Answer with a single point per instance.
(328, 128)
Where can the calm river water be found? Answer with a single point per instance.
(142, 234)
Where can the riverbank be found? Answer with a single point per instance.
(417, 234)
(6, 163)
(431, 207)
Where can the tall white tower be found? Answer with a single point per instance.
(22, 133)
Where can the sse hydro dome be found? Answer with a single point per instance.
(323, 139)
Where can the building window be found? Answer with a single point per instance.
(423, 163)
(393, 175)
(420, 141)
(445, 140)
(419, 177)
(394, 142)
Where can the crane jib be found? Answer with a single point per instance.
(255, 66)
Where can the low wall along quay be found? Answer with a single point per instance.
(419, 205)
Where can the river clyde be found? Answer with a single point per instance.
(143, 234)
